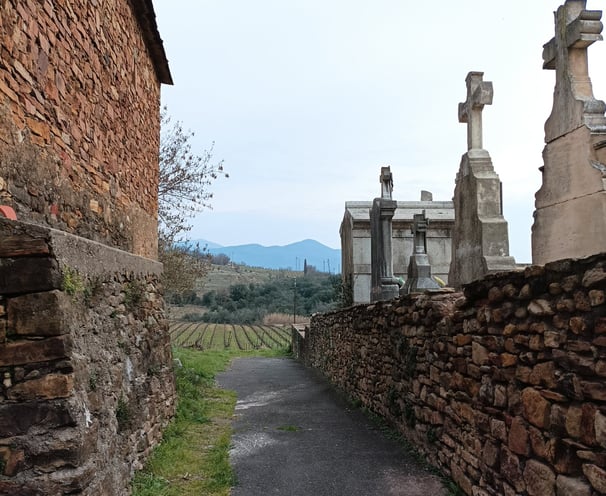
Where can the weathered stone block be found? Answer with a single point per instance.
(17, 419)
(596, 297)
(51, 386)
(569, 486)
(17, 488)
(22, 352)
(28, 275)
(511, 470)
(596, 476)
(38, 314)
(540, 308)
(479, 354)
(594, 277)
(518, 437)
(540, 479)
(536, 408)
(543, 374)
(13, 246)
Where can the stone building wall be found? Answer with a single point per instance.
(79, 117)
(502, 387)
(85, 363)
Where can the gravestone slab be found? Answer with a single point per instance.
(480, 240)
(570, 206)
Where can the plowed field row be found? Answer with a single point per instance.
(205, 336)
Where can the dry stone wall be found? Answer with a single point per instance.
(79, 120)
(502, 387)
(85, 364)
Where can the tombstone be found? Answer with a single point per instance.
(570, 206)
(419, 269)
(384, 284)
(480, 241)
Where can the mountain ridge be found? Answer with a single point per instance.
(291, 256)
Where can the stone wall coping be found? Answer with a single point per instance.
(89, 258)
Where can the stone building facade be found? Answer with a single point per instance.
(356, 242)
(79, 117)
(85, 359)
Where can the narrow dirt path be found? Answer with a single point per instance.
(294, 436)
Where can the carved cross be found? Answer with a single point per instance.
(419, 230)
(479, 93)
(386, 183)
(576, 30)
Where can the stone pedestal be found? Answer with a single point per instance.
(570, 215)
(570, 206)
(480, 240)
(384, 284)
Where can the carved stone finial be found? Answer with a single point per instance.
(573, 101)
(386, 179)
(479, 93)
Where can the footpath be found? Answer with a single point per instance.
(295, 436)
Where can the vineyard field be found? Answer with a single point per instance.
(204, 336)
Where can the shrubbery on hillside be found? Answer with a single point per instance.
(249, 303)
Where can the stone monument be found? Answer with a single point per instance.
(570, 206)
(384, 285)
(419, 269)
(356, 241)
(480, 242)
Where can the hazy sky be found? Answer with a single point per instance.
(307, 99)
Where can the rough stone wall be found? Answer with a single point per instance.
(85, 364)
(79, 120)
(502, 387)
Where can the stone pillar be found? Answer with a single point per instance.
(570, 206)
(480, 240)
(419, 269)
(384, 284)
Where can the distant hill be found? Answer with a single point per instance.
(292, 256)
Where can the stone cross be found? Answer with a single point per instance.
(576, 29)
(386, 179)
(479, 93)
(419, 230)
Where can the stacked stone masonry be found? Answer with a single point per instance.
(502, 387)
(79, 118)
(85, 364)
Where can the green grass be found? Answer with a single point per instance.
(193, 458)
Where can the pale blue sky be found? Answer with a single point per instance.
(307, 99)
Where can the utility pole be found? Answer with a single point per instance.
(294, 310)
